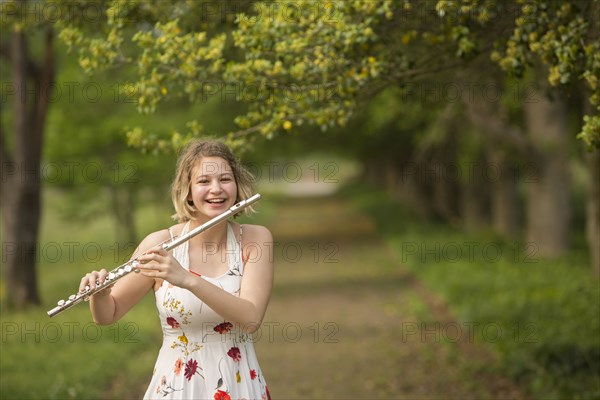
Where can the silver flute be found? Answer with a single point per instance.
(128, 267)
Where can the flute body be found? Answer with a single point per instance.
(126, 268)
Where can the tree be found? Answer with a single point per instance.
(30, 88)
(559, 41)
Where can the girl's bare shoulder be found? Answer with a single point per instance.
(257, 232)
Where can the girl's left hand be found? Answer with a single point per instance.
(159, 263)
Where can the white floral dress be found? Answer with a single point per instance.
(202, 355)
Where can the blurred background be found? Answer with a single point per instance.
(429, 170)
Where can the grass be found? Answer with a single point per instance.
(541, 316)
(69, 357)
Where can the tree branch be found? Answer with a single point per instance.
(399, 78)
(248, 131)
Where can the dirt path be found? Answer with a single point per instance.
(346, 321)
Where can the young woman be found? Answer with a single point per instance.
(211, 291)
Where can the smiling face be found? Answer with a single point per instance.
(198, 164)
(213, 189)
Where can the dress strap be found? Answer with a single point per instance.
(234, 252)
(242, 245)
(181, 252)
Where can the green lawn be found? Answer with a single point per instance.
(68, 356)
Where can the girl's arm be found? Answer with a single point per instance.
(110, 305)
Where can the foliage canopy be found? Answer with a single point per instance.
(316, 62)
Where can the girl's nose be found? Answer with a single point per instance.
(215, 186)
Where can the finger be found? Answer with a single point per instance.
(88, 281)
(146, 258)
(102, 275)
(155, 250)
(94, 279)
(147, 267)
(83, 283)
(151, 273)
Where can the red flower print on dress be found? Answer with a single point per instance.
(234, 353)
(223, 327)
(190, 368)
(178, 365)
(172, 322)
(252, 374)
(221, 395)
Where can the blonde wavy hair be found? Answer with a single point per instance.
(188, 158)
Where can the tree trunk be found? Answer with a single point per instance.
(446, 190)
(502, 137)
(548, 180)
(592, 225)
(21, 195)
(592, 203)
(504, 196)
(123, 213)
(444, 182)
(404, 186)
(475, 201)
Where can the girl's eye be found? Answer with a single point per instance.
(225, 179)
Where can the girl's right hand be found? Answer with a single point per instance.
(91, 278)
